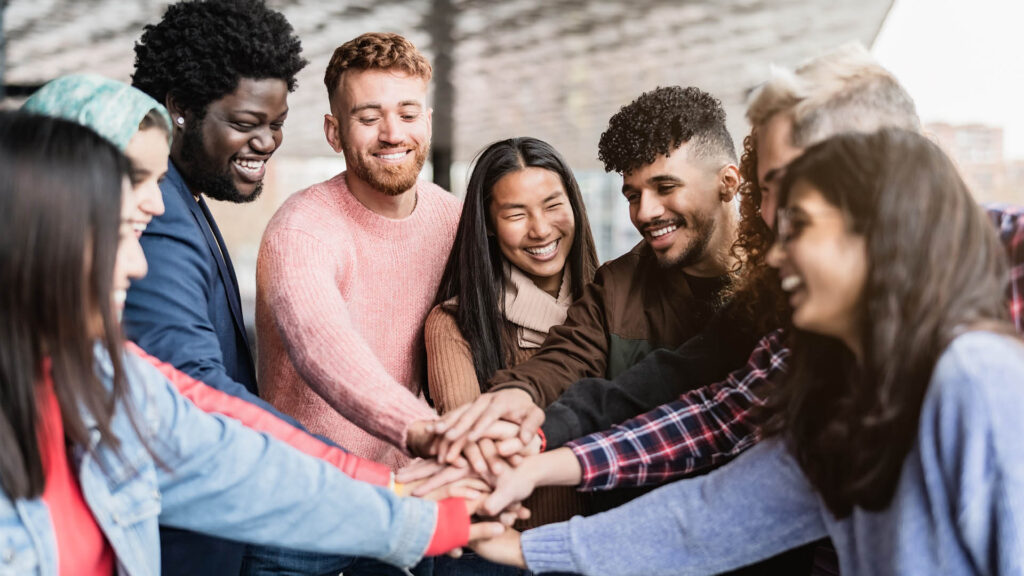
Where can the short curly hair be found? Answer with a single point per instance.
(376, 51)
(660, 121)
(200, 49)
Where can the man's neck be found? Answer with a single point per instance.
(386, 205)
(718, 256)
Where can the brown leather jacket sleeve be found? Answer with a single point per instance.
(574, 350)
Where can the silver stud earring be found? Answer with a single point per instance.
(181, 121)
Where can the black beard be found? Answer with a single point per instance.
(203, 177)
(697, 249)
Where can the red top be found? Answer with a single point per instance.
(81, 547)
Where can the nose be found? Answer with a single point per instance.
(391, 130)
(150, 199)
(266, 140)
(776, 256)
(540, 228)
(649, 207)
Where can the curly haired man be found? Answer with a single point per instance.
(680, 179)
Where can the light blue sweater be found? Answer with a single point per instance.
(958, 508)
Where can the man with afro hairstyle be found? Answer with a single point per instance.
(680, 179)
(223, 69)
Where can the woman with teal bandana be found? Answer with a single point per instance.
(128, 118)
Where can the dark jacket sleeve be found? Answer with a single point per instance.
(595, 404)
(576, 349)
(166, 311)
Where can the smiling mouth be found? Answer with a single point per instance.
(252, 170)
(658, 233)
(791, 283)
(393, 156)
(118, 297)
(544, 250)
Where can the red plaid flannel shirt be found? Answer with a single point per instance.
(707, 427)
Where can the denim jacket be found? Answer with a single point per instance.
(212, 475)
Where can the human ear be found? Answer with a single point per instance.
(332, 132)
(728, 182)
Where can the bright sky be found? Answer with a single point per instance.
(961, 60)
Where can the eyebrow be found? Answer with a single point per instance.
(379, 106)
(658, 179)
(510, 206)
(772, 174)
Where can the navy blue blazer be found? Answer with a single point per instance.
(187, 312)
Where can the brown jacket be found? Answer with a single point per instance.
(452, 381)
(633, 306)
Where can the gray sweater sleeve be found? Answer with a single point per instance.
(753, 508)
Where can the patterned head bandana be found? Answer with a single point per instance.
(113, 109)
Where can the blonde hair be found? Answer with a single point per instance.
(845, 90)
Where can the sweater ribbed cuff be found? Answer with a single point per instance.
(547, 549)
(452, 529)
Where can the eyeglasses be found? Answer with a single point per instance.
(789, 222)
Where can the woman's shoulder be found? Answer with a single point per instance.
(441, 321)
(978, 354)
(980, 370)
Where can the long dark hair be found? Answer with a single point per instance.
(474, 275)
(60, 199)
(755, 296)
(935, 268)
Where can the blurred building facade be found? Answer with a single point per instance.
(979, 153)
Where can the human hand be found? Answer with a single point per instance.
(428, 475)
(504, 548)
(510, 488)
(501, 448)
(468, 488)
(420, 438)
(470, 421)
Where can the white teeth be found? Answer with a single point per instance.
(397, 156)
(790, 283)
(139, 226)
(543, 250)
(663, 231)
(251, 165)
(119, 296)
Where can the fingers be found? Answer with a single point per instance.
(485, 530)
(476, 458)
(491, 414)
(510, 446)
(495, 463)
(445, 476)
(533, 420)
(417, 470)
(442, 424)
(454, 449)
(468, 417)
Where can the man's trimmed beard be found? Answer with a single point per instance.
(206, 178)
(391, 180)
(703, 228)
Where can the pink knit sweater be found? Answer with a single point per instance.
(342, 295)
